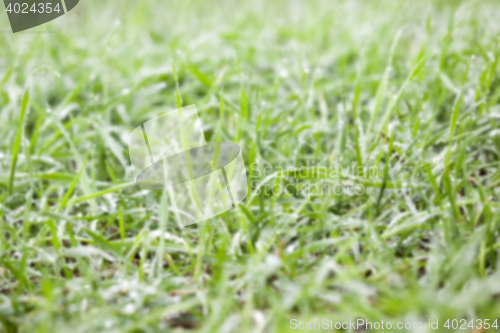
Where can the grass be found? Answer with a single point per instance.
(407, 88)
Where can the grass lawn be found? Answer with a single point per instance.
(408, 90)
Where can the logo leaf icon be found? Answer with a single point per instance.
(27, 14)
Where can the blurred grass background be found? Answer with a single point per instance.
(410, 88)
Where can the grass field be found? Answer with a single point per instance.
(409, 89)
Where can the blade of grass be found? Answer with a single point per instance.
(17, 142)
